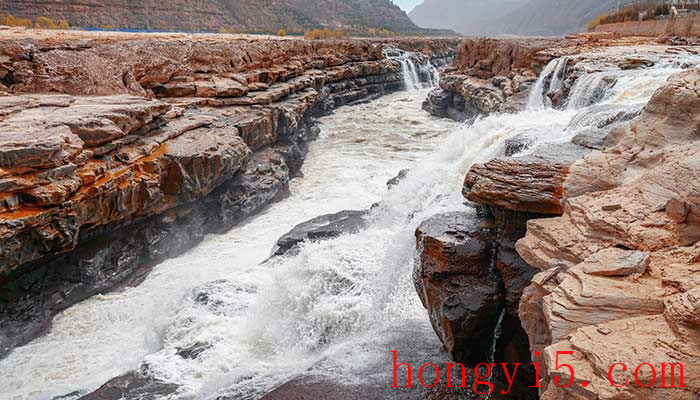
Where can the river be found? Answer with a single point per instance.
(337, 308)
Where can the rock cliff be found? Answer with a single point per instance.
(495, 75)
(125, 151)
(619, 281)
(592, 244)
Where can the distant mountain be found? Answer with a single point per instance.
(470, 17)
(514, 17)
(211, 15)
(551, 17)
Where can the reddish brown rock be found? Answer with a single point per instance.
(101, 182)
(620, 265)
(495, 74)
(518, 185)
(457, 284)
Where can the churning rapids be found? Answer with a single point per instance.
(335, 310)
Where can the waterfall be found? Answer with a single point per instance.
(415, 69)
(336, 308)
(551, 80)
(498, 329)
(409, 80)
(557, 82)
(590, 89)
(409, 69)
(434, 75)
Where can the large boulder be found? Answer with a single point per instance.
(320, 228)
(457, 283)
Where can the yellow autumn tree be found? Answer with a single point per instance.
(592, 24)
(45, 23)
(11, 20)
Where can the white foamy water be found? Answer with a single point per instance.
(334, 310)
(411, 71)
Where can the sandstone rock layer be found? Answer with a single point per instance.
(119, 151)
(620, 266)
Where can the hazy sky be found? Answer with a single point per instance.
(407, 4)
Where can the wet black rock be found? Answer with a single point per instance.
(444, 104)
(323, 227)
(517, 144)
(193, 351)
(133, 385)
(457, 282)
(398, 178)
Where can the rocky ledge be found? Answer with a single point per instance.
(588, 246)
(619, 280)
(120, 151)
(494, 75)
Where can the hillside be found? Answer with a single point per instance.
(515, 17)
(551, 17)
(211, 15)
(470, 17)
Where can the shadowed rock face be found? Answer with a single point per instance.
(457, 283)
(183, 139)
(470, 279)
(619, 267)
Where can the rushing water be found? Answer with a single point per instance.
(411, 71)
(334, 310)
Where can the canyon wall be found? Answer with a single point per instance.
(124, 151)
(495, 75)
(619, 281)
(685, 26)
(587, 246)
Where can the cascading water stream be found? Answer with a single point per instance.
(412, 71)
(538, 98)
(335, 309)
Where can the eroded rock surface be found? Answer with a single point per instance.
(120, 151)
(495, 75)
(619, 276)
(457, 283)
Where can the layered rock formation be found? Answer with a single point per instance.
(495, 75)
(211, 15)
(486, 74)
(619, 281)
(177, 139)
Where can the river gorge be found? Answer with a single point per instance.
(205, 218)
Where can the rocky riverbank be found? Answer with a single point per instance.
(128, 149)
(619, 281)
(611, 278)
(496, 75)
